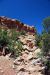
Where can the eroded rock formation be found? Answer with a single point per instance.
(12, 23)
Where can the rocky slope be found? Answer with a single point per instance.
(27, 63)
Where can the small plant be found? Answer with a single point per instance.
(44, 42)
(9, 41)
(23, 32)
(38, 40)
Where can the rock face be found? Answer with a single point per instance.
(28, 63)
(12, 23)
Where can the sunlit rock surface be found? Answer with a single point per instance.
(13, 23)
(28, 63)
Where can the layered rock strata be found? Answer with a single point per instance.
(13, 23)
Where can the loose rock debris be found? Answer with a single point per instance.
(26, 64)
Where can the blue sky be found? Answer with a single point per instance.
(31, 12)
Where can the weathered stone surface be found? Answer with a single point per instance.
(27, 63)
(6, 66)
(12, 23)
(17, 62)
(23, 73)
(30, 56)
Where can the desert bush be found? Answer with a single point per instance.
(39, 40)
(14, 46)
(44, 41)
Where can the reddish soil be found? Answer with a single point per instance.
(6, 66)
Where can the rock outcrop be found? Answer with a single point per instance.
(28, 63)
(12, 23)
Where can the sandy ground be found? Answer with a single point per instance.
(6, 66)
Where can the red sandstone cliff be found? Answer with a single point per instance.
(12, 23)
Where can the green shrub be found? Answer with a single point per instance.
(23, 32)
(14, 46)
(44, 41)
